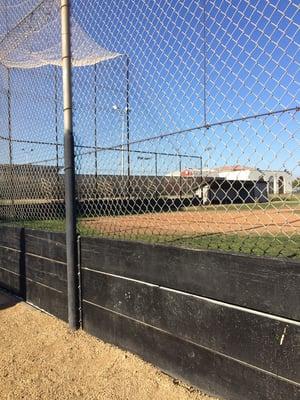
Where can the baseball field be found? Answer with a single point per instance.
(271, 228)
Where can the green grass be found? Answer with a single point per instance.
(266, 245)
(276, 204)
(54, 225)
(263, 245)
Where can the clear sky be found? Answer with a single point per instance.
(244, 62)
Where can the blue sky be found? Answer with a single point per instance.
(251, 49)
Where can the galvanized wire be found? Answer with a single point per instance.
(31, 117)
(31, 188)
(191, 135)
(186, 124)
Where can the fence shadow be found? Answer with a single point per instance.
(7, 300)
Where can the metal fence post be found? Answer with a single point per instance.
(10, 147)
(127, 110)
(71, 239)
(95, 131)
(127, 115)
(180, 177)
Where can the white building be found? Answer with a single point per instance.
(278, 182)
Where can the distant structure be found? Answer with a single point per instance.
(238, 184)
(30, 181)
(278, 182)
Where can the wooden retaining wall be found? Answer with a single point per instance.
(228, 324)
(33, 266)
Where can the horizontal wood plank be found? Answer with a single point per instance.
(46, 244)
(12, 282)
(48, 299)
(260, 283)
(11, 236)
(48, 272)
(247, 336)
(210, 371)
(10, 259)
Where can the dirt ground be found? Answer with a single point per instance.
(41, 359)
(275, 221)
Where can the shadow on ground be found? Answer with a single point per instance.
(7, 301)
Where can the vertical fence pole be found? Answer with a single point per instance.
(127, 113)
(180, 177)
(71, 239)
(204, 65)
(201, 180)
(10, 149)
(95, 131)
(58, 195)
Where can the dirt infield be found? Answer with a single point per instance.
(40, 358)
(275, 221)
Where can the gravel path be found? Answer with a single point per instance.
(40, 358)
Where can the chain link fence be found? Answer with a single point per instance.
(31, 168)
(186, 121)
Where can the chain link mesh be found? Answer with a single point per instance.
(31, 170)
(186, 121)
(31, 138)
(191, 135)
